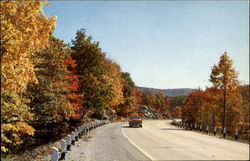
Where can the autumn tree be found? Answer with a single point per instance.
(139, 97)
(148, 99)
(177, 101)
(193, 107)
(24, 30)
(115, 82)
(49, 101)
(92, 73)
(177, 113)
(225, 79)
(129, 96)
(159, 101)
(74, 94)
(244, 124)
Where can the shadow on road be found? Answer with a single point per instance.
(125, 126)
(174, 129)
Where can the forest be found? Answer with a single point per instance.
(47, 84)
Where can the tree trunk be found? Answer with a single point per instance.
(224, 109)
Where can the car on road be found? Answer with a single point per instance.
(135, 121)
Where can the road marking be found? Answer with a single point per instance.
(140, 149)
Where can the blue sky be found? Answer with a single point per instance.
(162, 44)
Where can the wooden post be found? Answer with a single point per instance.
(224, 132)
(215, 129)
(63, 149)
(68, 142)
(85, 129)
(73, 138)
(76, 135)
(55, 154)
(80, 131)
(236, 134)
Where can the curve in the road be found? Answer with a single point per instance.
(162, 141)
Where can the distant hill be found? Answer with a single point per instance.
(167, 92)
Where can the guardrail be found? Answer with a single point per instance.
(203, 128)
(72, 138)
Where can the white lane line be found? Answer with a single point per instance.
(140, 149)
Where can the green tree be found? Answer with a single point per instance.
(92, 74)
(48, 97)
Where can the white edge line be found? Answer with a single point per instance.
(140, 149)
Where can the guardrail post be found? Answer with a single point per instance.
(236, 134)
(207, 129)
(215, 129)
(195, 127)
(80, 132)
(73, 138)
(76, 135)
(63, 149)
(201, 128)
(55, 154)
(82, 128)
(85, 129)
(68, 142)
(224, 132)
(191, 126)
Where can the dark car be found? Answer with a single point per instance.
(135, 121)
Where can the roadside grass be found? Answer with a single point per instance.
(86, 137)
(36, 154)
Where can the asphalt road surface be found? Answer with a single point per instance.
(156, 140)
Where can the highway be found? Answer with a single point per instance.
(156, 140)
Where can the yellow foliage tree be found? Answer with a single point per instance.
(114, 81)
(24, 30)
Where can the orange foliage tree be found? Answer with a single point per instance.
(74, 95)
(192, 110)
(225, 81)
